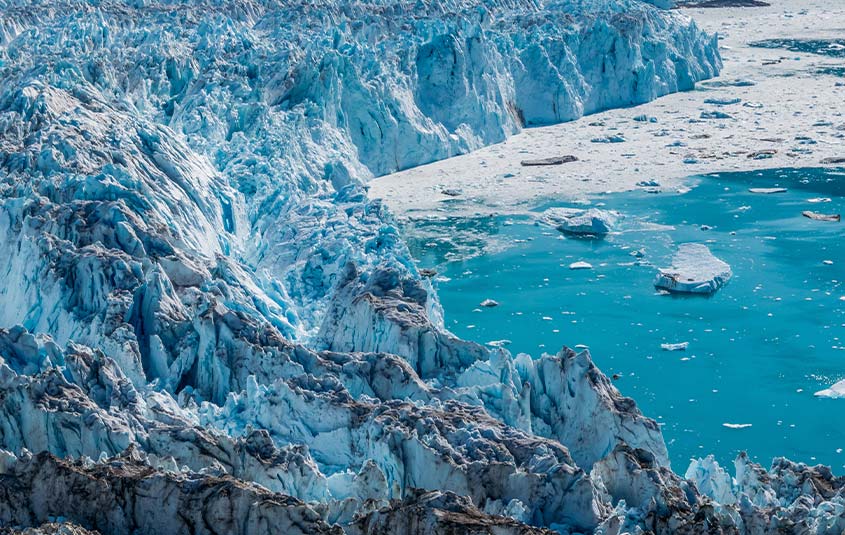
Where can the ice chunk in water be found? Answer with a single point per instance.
(767, 191)
(592, 222)
(694, 270)
(835, 391)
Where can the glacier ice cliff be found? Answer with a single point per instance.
(207, 326)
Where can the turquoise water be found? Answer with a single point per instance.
(758, 349)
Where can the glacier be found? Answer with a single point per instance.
(208, 326)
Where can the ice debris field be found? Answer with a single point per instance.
(734, 371)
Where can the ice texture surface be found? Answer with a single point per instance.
(208, 325)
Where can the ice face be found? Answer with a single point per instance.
(204, 313)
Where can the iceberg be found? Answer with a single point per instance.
(694, 270)
(591, 222)
(837, 390)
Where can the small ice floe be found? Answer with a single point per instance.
(489, 303)
(694, 270)
(762, 154)
(715, 115)
(555, 160)
(816, 216)
(722, 101)
(767, 191)
(681, 346)
(610, 138)
(736, 426)
(739, 82)
(835, 391)
(645, 119)
(591, 222)
(499, 343)
(580, 265)
(816, 200)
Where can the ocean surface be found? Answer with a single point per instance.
(758, 349)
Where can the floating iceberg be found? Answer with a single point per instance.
(591, 222)
(765, 191)
(837, 390)
(694, 270)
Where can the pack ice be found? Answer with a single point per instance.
(208, 327)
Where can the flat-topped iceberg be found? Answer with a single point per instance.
(694, 270)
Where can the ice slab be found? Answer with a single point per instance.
(767, 191)
(694, 270)
(555, 160)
